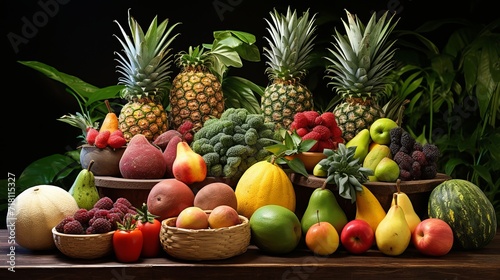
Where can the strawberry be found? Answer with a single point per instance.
(101, 140)
(91, 135)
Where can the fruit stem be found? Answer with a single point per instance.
(398, 181)
(108, 106)
(90, 164)
(395, 196)
(317, 215)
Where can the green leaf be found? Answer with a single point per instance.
(48, 170)
(76, 84)
(241, 93)
(109, 92)
(297, 166)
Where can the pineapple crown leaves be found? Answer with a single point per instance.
(145, 66)
(362, 59)
(290, 44)
(344, 170)
(292, 144)
(227, 50)
(144, 215)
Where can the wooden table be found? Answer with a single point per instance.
(299, 265)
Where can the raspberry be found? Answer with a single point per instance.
(101, 213)
(114, 218)
(73, 227)
(337, 132)
(124, 201)
(329, 119)
(101, 225)
(314, 136)
(117, 211)
(300, 120)
(60, 226)
(83, 216)
(185, 127)
(311, 117)
(116, 139)
(122, 207)
(326, 144)
(323, 131)
(104, 203)
(91, 135)
(302, 131)
(101, 140)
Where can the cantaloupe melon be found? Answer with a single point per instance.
(35, 211)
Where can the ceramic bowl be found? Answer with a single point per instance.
(310, 159)
(106, 161)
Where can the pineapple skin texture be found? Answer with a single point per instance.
(281, 101)
(195, 96)
(143, 117)
(352, 117)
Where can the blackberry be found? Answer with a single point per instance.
(407, 140)
(404, 160)
(104, 203)
(419, 157)
(429, 171)
(415, 171)
(431, 152)
(404, 175)
(73, 227)
(395, 134)
(417, 146)
(394, 147)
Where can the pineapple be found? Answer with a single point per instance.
(359, 71)
(291, 42)
(146, 75)
(198, 92)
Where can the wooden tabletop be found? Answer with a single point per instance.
(300, 264)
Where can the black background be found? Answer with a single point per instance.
(76, 37)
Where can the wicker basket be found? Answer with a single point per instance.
(84, 246)
(205, 244)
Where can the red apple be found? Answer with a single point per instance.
(433, 237)
(357, 236)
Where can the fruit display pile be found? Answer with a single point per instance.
(320, 127)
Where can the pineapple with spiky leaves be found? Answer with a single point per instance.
(291, 42)
(198, 92)
(146, 76)
(359, 71)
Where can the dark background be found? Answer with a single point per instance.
(76, 37)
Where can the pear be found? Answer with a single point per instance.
(387, 170)
(84, 190)
(393, 234)
(318, 171)
(374, 156)
(405, 203)
(324, 201)
(188, 167)
(110, 122)
(362, 142)
(368, 208)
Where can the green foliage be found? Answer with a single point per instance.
(453, 95)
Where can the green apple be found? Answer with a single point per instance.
(380, 130)
(387, 170)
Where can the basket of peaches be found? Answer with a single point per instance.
(197, 234)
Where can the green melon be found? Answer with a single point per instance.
(465, 207)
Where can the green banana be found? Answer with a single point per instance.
(84, 190)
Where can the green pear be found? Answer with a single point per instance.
(324, 201)
(84, 190)
(318, 171)
(362, 142)
(387, 170)
(393, 234)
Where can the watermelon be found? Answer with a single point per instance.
(467, 210)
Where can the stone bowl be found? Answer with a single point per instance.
(106, 161)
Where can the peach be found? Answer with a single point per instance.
(223, 216)
(169, 197)
(192, 218)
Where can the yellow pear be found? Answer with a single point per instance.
(393, 234)
(362, 142)
(368, 208)
(405, 203)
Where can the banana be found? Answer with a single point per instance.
(84, 190)
(374, 156)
